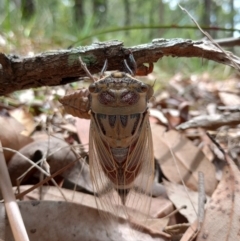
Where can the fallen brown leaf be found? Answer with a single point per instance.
(229, 99)
(62, 221)
(25, 118)
(223, 211)
(10, 135)
(180, 159)
(191, 232)
(179, 196)
(58, 154)
(160, 207)
(83, 127)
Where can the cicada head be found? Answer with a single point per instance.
(119, 93)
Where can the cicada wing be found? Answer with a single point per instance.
(139, 196)
(107, 198)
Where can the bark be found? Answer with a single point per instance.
(211, 122)
(62, 66)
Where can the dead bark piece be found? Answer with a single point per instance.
(61, 67)
(211, 122)
(223, 211)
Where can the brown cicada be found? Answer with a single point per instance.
(120, 141)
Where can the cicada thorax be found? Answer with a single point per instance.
(119, 113)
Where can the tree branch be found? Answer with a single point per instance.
(61, 67)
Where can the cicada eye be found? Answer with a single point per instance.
(144, 88)
(92, 88)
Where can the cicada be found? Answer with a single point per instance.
(120, 141)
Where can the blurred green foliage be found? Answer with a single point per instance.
(31, 26)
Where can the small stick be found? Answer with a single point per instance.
(22, 194)
(216, 143)
(228, 54)
(13, 212)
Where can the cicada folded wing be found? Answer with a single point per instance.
(121, 150)
(116, 196)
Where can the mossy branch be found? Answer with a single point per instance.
(62, 66)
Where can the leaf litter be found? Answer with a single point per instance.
(179, 147)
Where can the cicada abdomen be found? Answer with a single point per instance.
(120, 143)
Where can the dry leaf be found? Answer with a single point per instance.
(10, 135)
(58, 154)
(69, 127)
(229, 99)
(83, 127)
(159, 115)
(160, 207)
(177, 194)
(25, 118)
(180, 159)
(51, 193)
(176, 231)
(191, 232)
(223, 211)
(63, 221)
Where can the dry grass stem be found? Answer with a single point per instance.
(13, 212)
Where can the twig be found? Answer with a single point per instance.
(216, 143)
(211, 39)
(62, 67)
(27, 159)
(21, 195)
(13, 212)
